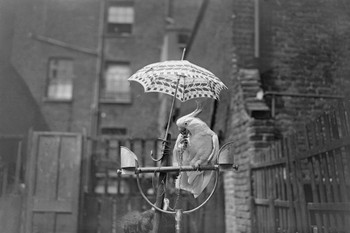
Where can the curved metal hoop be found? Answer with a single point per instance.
(174, 212)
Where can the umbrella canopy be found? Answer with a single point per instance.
(182, 77)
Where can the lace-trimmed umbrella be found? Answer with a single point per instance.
(179, 78)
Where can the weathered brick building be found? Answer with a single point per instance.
(289, 63)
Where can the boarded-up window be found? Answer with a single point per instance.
(60, 79)
(120, 19)
(116, 85)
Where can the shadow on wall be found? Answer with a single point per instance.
(19, 111)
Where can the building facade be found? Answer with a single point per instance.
(76, 56)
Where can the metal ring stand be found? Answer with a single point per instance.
(174, 212)
(130, 164)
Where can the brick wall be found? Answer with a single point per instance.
(302, 49)
(249, 135)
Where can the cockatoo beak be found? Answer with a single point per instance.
(183, 130)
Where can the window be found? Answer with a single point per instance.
(120, 19)
(60, 79)
(113, 131)
(116, 86)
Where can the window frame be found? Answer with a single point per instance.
(127, 4)
(103, 95)
(47, 96)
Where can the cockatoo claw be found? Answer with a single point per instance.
(197, 167)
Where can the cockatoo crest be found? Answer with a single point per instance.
(185, 122)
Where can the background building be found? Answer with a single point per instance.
(75, 58)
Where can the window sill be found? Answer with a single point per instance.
(116, 35)
(64, 101)
(107, 101)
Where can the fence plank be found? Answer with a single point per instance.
(298, 174)
(314, 188)
(271, 195)
(106, 215)
(91, 208)
(322, 125)
(291, 215)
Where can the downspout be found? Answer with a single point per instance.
(198, 22)
(189, 44)
(256, 29)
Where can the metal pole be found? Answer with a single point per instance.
(161, 189)
(176, 169)
(178, 218)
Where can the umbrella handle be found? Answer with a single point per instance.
(162, 154)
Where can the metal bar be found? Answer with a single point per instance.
(178, 218)
(175, 169)
(303, 95)
(63, 44)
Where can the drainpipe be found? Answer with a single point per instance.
(256, 29)
(95, 108)
(189, 44)
(198, 22)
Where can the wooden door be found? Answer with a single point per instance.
(53, 181)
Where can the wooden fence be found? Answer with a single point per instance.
(301, 184)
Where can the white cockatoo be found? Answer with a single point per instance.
(196, 145)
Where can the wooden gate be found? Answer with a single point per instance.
(300, 184)
(53, 182)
